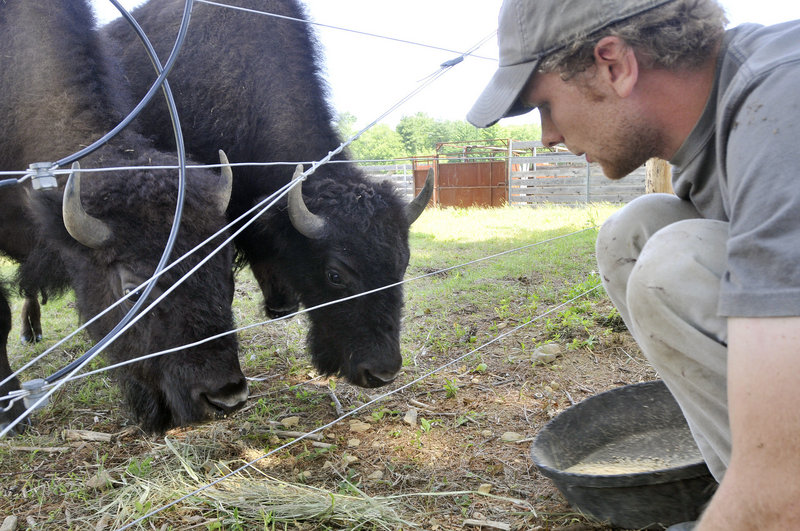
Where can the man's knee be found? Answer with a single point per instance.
(678, 273)
(624, 234)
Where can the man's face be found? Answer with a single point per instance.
(590, 118)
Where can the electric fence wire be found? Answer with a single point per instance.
(357, 409)
(106, 169)
(150, 283)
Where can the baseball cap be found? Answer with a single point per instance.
(529, 30)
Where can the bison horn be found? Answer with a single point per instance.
(308, 224)
(226, 183)
(86, 229)
(417, 205)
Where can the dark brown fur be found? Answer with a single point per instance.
(58, 93)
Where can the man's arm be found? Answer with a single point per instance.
(761, 488)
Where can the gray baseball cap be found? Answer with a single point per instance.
(529, 30)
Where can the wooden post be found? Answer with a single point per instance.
(508, 169)
(435, 163)
(658, 177)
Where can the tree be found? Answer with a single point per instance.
(380, 142)
(419, 134)
(346, 125)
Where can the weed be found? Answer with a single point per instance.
(262, 409)
(425, 424)
(142, 507)
(349, 485)
(503, 310)
(140, 468)
(589, 342)
(472, 416)
(379, 414)
(450, 388)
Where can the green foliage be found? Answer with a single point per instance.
(142, 508)
(378, 143)
(591, 282)
(140, 468)
(379, 414)
(349, 485)
(419, 134)
(425, 424)
(450, 388)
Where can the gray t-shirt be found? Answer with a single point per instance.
(741, 163)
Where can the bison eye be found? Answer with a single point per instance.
(132, 293)
(335, 278)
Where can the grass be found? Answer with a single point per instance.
(387, 472)
(546, 272)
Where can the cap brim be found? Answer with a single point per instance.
(499, 98)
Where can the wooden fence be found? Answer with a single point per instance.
(400, 174)
(537, 175)
(530, 174)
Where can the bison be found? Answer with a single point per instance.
(8, 410)
(18, 240)
(252, 85)
(103, 235)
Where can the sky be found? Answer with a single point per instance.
(368, 75)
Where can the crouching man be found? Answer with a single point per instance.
(707, 280)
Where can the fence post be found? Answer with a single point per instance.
(588, 178)
(408, 182)
(658, 177)
(508, 169)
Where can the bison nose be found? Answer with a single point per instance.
(369, 377)
(229, 397)
(280, 311)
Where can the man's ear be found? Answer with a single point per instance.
(617, 65)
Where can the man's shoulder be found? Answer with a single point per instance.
(752, 49)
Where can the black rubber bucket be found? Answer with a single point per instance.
(626, 457)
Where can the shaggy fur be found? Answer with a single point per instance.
(252, 85)
(5, 370)
(57, 94)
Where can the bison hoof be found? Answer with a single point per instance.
(26, 338)
(19, 429)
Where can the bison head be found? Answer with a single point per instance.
(113, 250)
(344, 239)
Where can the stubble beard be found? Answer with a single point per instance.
(637, 142)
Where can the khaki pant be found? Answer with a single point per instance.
(661, 265)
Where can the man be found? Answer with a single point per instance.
(707, 280)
